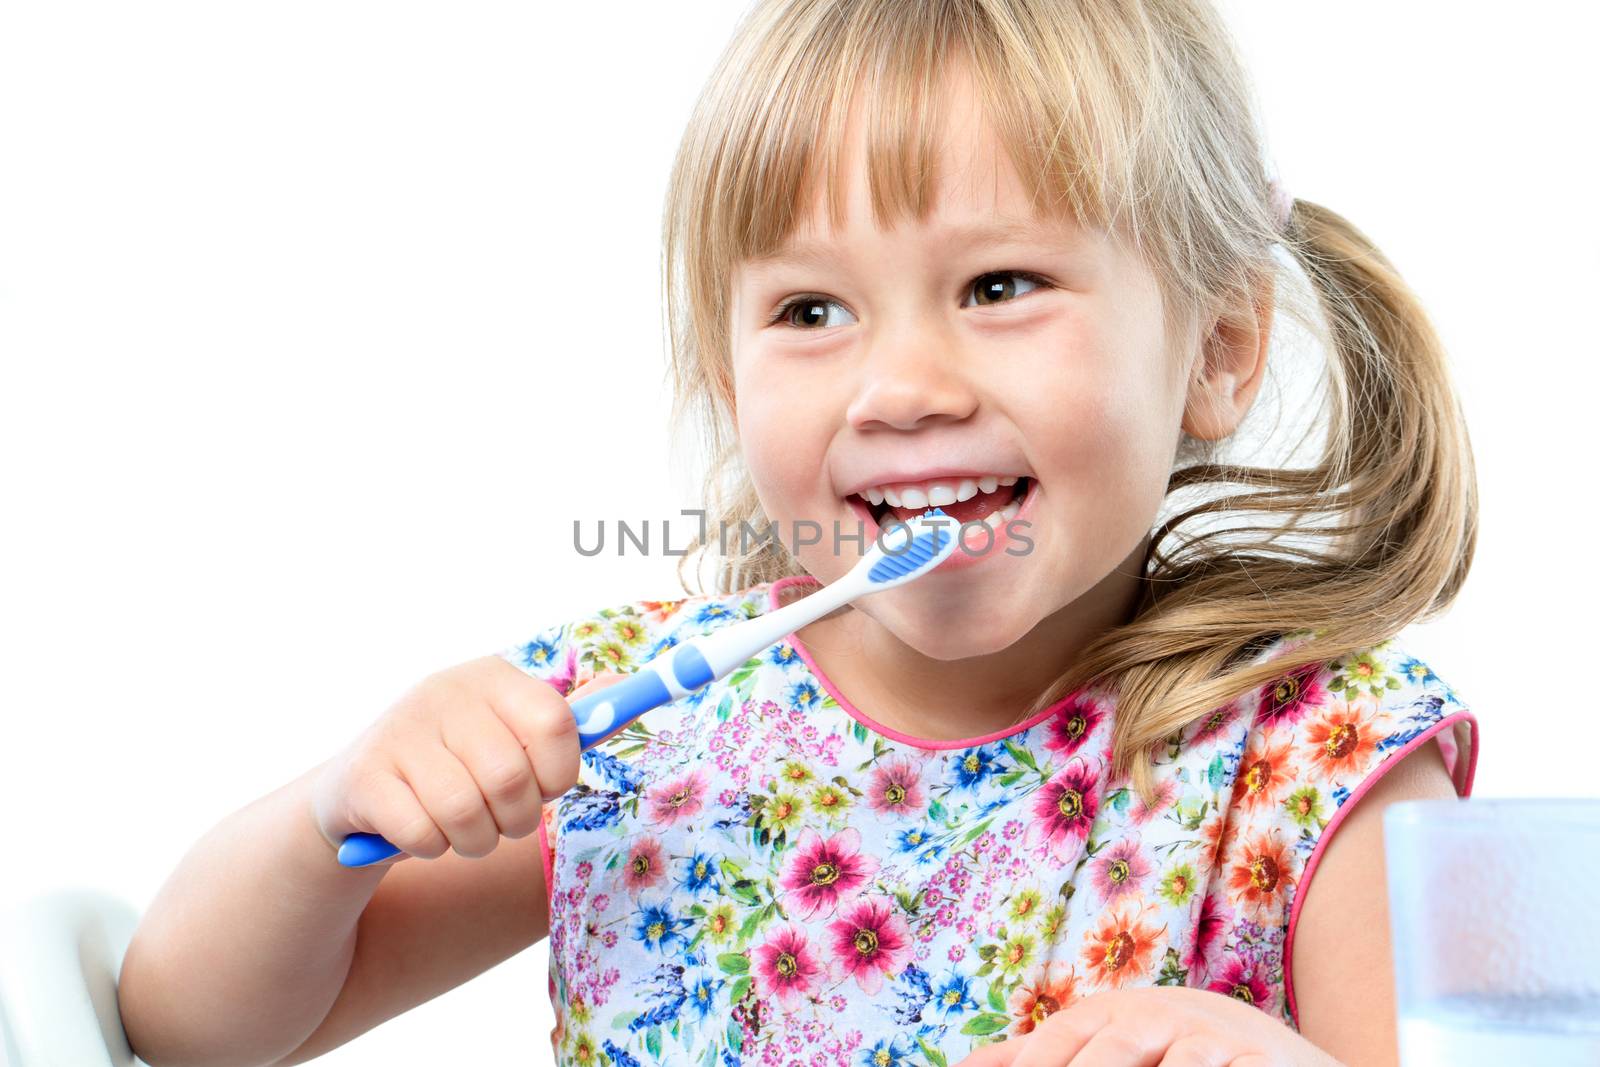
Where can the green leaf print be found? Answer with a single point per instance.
(935, 1057)
(1172, 972)
(743, 672)
(1215, 772)
(623, 1019)
(734, 963)
(1021, 755)
(996, 999)
(986, 1023)
(740, 988)
(652, 1041)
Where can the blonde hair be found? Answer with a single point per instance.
(1137, 118)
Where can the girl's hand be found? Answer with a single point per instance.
(468, 755)
(1162, 1026)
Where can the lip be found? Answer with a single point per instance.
(962, 557)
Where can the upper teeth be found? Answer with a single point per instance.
(935, 494)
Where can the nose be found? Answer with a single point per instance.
(912, 376)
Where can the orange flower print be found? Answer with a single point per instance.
(660, 610)
(1215, 833)
(1264, 774)
(1043, 993)
(1263, 873)
(1340, 741)
(1121, 948)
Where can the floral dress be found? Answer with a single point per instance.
(760, 874)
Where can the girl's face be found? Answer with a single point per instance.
(981, 341)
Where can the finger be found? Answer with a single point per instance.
(542, 722)
(499, 766)
(398, 816)
(1120, 1045)
(1200, 1050)
(999, 1054)
(451, 798)
(1058, 1039)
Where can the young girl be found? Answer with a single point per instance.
(1070, 800)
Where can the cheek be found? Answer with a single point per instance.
(1103, 428)
(783, 440)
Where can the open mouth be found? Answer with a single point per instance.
(984, 500)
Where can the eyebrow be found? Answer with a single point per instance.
(1005, 231)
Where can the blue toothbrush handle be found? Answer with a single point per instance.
(616, 705)
(598, 714)
(359, 850)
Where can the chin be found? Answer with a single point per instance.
(956, 632)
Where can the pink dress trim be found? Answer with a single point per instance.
(924, 743)
(547, 858)
(1463, 784)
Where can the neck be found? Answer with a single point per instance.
(898, 686)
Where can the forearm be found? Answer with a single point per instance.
(248, 943)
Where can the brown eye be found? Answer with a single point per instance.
(809, 313)
(999, 286)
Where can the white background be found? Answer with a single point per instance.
(320, 322)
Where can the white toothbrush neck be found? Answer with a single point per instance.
(731, 646)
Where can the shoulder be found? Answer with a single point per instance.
(622, 636)
(1337, 723)
(1319, 738)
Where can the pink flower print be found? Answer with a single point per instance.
(564, 678)
(644, 867)
(1290, 697)
(895, 789)
(785, 965)
(1213, 919)
(1119, 870)
(1214, 724)
(1243, 979)
(585, 869)
(1140, 813)
(869, 942)
(1063, 811)
(1011, 830)
(1070, 727)
(821, 872)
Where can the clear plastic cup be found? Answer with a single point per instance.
(1494, 909)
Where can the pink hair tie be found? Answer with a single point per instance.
(1282, 202)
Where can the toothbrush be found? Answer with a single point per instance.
(900, 554)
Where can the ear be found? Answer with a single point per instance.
(1230, 368)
